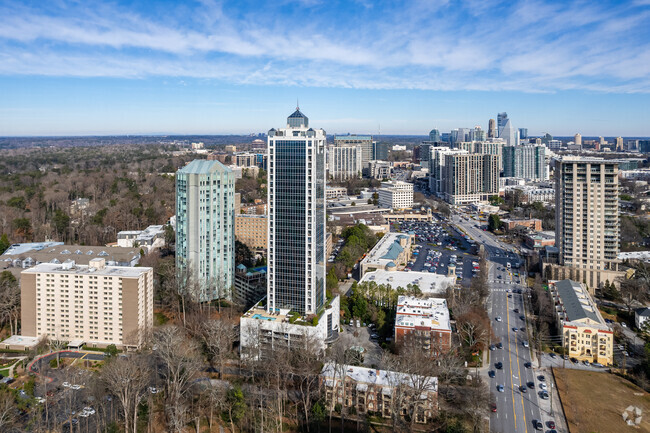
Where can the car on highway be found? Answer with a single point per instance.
(499, 345)
(530, 385)
(525, 342)
(543, 395)
(514, 329)
(491, 373)
(541, 378)
(509, 295)
(493, 407)
(543, 387)
(550, 424)
(528, 364)
(522, 317)
(537, 424)
(498, 365)
(516, 310)
(500, 388)
(522, 329)
(498, 318)
(523, 389)
(493, 347)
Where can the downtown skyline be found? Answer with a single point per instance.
(364, 67)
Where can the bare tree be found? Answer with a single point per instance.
(180, 361)
(128, 379)
(218, 338)
(7, 410)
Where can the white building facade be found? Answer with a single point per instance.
(396, 195)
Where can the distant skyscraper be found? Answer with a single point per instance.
(577, 139)
(205, 228)
(509, 134)
(434, 136)
(502, 119)
(296, 200)
(523, 133)
(477, 134)
(526, 161)
(381, 151)
(619, 144)
(463, 134)
(643, 146)
(344, 162)
(492, 131)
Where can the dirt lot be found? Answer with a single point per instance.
(594, 402)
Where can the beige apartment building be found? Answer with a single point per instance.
(470, 178)
(585, 334)
(251, 230)
(586, 220)
(94, 304)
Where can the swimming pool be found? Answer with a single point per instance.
(259, 316)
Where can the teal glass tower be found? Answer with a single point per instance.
(296, 231)
(205, 229)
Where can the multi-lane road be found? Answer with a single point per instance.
(515, 385)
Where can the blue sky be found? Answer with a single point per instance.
(402, 67)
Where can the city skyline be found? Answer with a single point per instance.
(400, 68)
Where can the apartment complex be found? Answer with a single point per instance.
(585, 334)
(205, 229)
(587, 221)
(379, 169)
(363, 141)
(470, 178)
(396, 195)
(437, 168)
(250, 285)
(96, 305)
(392, 250)
(424, 320)
(344, 162)
(252, 230)
(382, 392)
(526, 161)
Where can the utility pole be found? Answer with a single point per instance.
(551, 397)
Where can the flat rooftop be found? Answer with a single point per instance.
(371, 376)
(71, 268)
(387, 249)
(21, 340)
(430, 312)
(428, 282)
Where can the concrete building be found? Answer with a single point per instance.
(393, 250)
(262, 332)
(245, 159)
(492, 131)
(250, 285)
(205, 228)
(424, 320)
(332, 192)
(502, 119)
(527, 161)
(577, 139)
(96, 305)
(587, 218)
(540, 240)
(641, 316)
(396, 195)
(470, 178)
(344, 162)
(379, 169)
(296, 234)
(365, 390)
(151, 237)
(252, 230)
(585, 334)
(437, 169)
(365, 141)
(531, 224)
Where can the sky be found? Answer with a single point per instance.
(78, 67)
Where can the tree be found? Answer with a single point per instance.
(474, 328)
(218, 339)
(61, 222)
(128, 379)
(494, 222)
(4, 243)
(243, 254)
(7, 410)
(633, 291)
(235, 406)
(332, 280)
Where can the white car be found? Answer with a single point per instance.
(498, 318)
(66, 384)
(543, 386)
(75, 387)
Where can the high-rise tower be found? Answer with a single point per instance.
(434, 136)
(296, 200)
(502, 118)
(492, 131)
(205, 228)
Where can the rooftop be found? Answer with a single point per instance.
(70, 267)
(202, 166)
(371, 376)
(30, 246)
(428, 282)
(431, 312)
(578, 303)
(21, 340)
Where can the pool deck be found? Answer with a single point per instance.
(261, 314)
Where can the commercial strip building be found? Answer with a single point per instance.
(262, 331)
(383, 392)
(429, 283)
(95, 304)
(396, 195)
(392, 250)
(252, 230)
(205, 229)
(585, 334)
(424, 320)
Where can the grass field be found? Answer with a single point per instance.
(593, 402)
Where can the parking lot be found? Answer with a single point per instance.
(437, 246)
